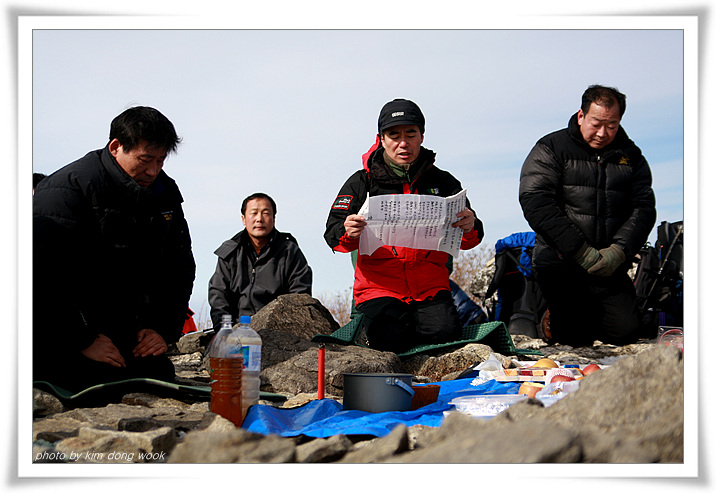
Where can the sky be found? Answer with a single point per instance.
(289, 113)
(283, 97)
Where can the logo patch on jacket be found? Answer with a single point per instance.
(342, 202)
(167, 215)
(624, 159)
(432, 191)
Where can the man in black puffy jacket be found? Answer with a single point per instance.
(586, 192)
(257, 265)
(113, 266)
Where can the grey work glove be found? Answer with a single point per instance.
(612, 257)
(587, 256)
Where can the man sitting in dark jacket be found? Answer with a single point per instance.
(113, 266)
(257, 265)
(586, 192)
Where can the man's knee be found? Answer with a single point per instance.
(437, 319)
(387, 324)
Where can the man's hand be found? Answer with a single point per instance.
(104, 351)
(587, 256)
(150, 343)
(612, 257)
(354, 225)
(466, 221)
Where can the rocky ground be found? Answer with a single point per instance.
(631, 412)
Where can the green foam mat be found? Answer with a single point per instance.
(345, 335)
(493, 334)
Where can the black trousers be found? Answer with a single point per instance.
(75, 372)
(584, 308)
(397, 326)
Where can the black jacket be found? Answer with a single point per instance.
(243, 282)
(110, 257)
(571, 193)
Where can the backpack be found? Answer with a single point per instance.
(520, 304)
(659, 279)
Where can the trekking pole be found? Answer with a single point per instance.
(679, 230)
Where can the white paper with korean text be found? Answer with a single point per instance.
(413, 221)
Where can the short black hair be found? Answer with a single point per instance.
(144, 123)
(257, 195)
(37, 178)
(603, 96)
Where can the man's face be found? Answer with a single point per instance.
(402, 143)
(258, 218)
(599, 126)
(143, 163)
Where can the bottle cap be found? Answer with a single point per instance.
(245, 319)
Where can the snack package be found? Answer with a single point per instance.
(552, 392)
(488, 369)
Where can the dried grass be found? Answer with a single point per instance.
(339, 303)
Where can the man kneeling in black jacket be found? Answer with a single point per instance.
(113, 266)
(586, 192)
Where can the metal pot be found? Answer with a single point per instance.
(377, 392)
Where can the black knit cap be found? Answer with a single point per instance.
(400, 112)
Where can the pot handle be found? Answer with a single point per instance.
(401, 384)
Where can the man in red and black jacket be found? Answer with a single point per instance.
(403, 293)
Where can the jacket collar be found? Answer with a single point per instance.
(126, 182)
(379, 170)
(242, 238)
(621, 140)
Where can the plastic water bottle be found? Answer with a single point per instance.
(226, 363)
(251, 345)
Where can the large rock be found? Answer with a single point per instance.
(299, 374)
(380, 450)
(278, 346)
(194, 342)
(464, 439)
(152, 411)
(233, 446)
(44, 404)
(286, 325)
(143, 428)
(640, 398)
(324, 449)
(448, 365)
(93, 445)
(631, 412)
(599, 352)
(297, 314)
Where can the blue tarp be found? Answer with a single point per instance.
(326, 417)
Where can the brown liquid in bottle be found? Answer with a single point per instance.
(226, 388)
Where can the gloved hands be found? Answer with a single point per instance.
(587, 256)
(612, 257)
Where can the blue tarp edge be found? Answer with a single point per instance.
(326, 417)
